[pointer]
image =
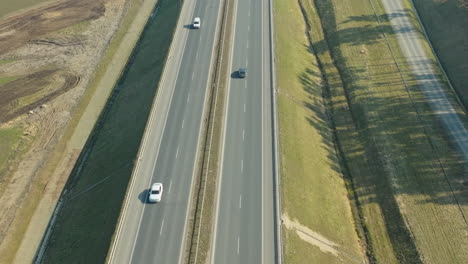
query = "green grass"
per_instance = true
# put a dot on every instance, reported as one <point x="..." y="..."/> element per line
<point x="9" y="6"/>
<point x="111" y="61"/>
<point x="445" y="23"/>
<point x="402" y="174"/>
<point x="9" y="140"/>
<point x="313" y="190"/>
<point x="74" y="29"/>
<point x="6" y="61"/>
<point x="86" y="223"/>
<point x="7" y="79"/>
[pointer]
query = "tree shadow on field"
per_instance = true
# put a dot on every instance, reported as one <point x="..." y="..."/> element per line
<point x="380" y="132"/>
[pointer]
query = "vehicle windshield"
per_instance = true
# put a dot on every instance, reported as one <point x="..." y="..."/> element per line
<point x="155" y="192"/>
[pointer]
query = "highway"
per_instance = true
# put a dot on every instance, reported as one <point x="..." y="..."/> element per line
<point x="154" y="233"/>
<point x="244" y="225"/>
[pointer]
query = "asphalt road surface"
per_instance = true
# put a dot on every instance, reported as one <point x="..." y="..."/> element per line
<point x="244" y="225"/>
<point x="154" y="233"/>
<point x="411" y="43"/>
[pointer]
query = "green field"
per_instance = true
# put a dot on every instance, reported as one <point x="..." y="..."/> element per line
<point x="403" y="177"/>
<point x="7" y="79"/>
<point x="9" y="141"/>
<point x="9" y="6"/>
<point x="445" y="23"/>
<point x="97" y="185"/>
<point x="315" y="199"/>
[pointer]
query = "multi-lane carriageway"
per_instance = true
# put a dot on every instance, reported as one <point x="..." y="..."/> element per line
<point x="244" y="226"/>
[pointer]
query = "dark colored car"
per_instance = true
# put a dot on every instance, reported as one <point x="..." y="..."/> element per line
<point x="242" y="73"/>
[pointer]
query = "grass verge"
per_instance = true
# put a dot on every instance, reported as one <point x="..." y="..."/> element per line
<point x="9" y="141"/>
<point x="111" y="65"/>
<point x="316" y="210"/>
<point x="105" y="77"/>
<point x="96" y="187"/>
<point x="402" y="173"/>
<point x="205" y="200"/>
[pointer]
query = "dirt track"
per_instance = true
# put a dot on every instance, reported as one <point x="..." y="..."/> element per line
<point x="53" y="51"/>
<point x="17" y="30"/>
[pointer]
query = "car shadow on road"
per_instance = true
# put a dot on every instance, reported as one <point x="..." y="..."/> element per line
<point x="143" y="196"/>
<point x="188" y="26"/>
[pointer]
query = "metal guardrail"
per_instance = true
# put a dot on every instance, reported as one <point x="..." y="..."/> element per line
<point x="276" y="145"/>
<point x="211" y="119"/>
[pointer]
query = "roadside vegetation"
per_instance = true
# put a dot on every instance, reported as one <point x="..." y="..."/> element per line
<point x="9" y="6"/>
<point x="10" y="139"/>
<point x="445" y="23"/>
<point x="52" y="134"/>
<point x="368" y="121"/>
<point x="96" y="188"/>
<point x="319" y="226"/>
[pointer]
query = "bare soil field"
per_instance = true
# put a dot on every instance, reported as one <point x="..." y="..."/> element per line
<point x="49" y="54"/>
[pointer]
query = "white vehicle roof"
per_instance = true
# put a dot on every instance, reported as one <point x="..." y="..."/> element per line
<point x="156" y="186"/>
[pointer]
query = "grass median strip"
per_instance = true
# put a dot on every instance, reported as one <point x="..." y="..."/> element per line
<point x="205" y="198"/>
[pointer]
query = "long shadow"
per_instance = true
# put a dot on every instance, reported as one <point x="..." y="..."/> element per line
<point x="370" y="137"/>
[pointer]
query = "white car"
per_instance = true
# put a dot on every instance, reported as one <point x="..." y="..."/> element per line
<point x="155" y="193"/>
<point x="196" y="22"/>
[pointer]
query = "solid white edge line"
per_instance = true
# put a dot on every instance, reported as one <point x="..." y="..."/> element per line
<point x="216" y="36"/>
<point x="122" y="218"/>
<point x="159" y="144"/>
<point x="263" y="124"/>
<point x="220" y="170"/>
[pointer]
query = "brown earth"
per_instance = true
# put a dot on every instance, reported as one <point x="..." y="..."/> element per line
<point x="17" y="30"/>
<point x="51" y="83"/>
<point x="55" y="50"/>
